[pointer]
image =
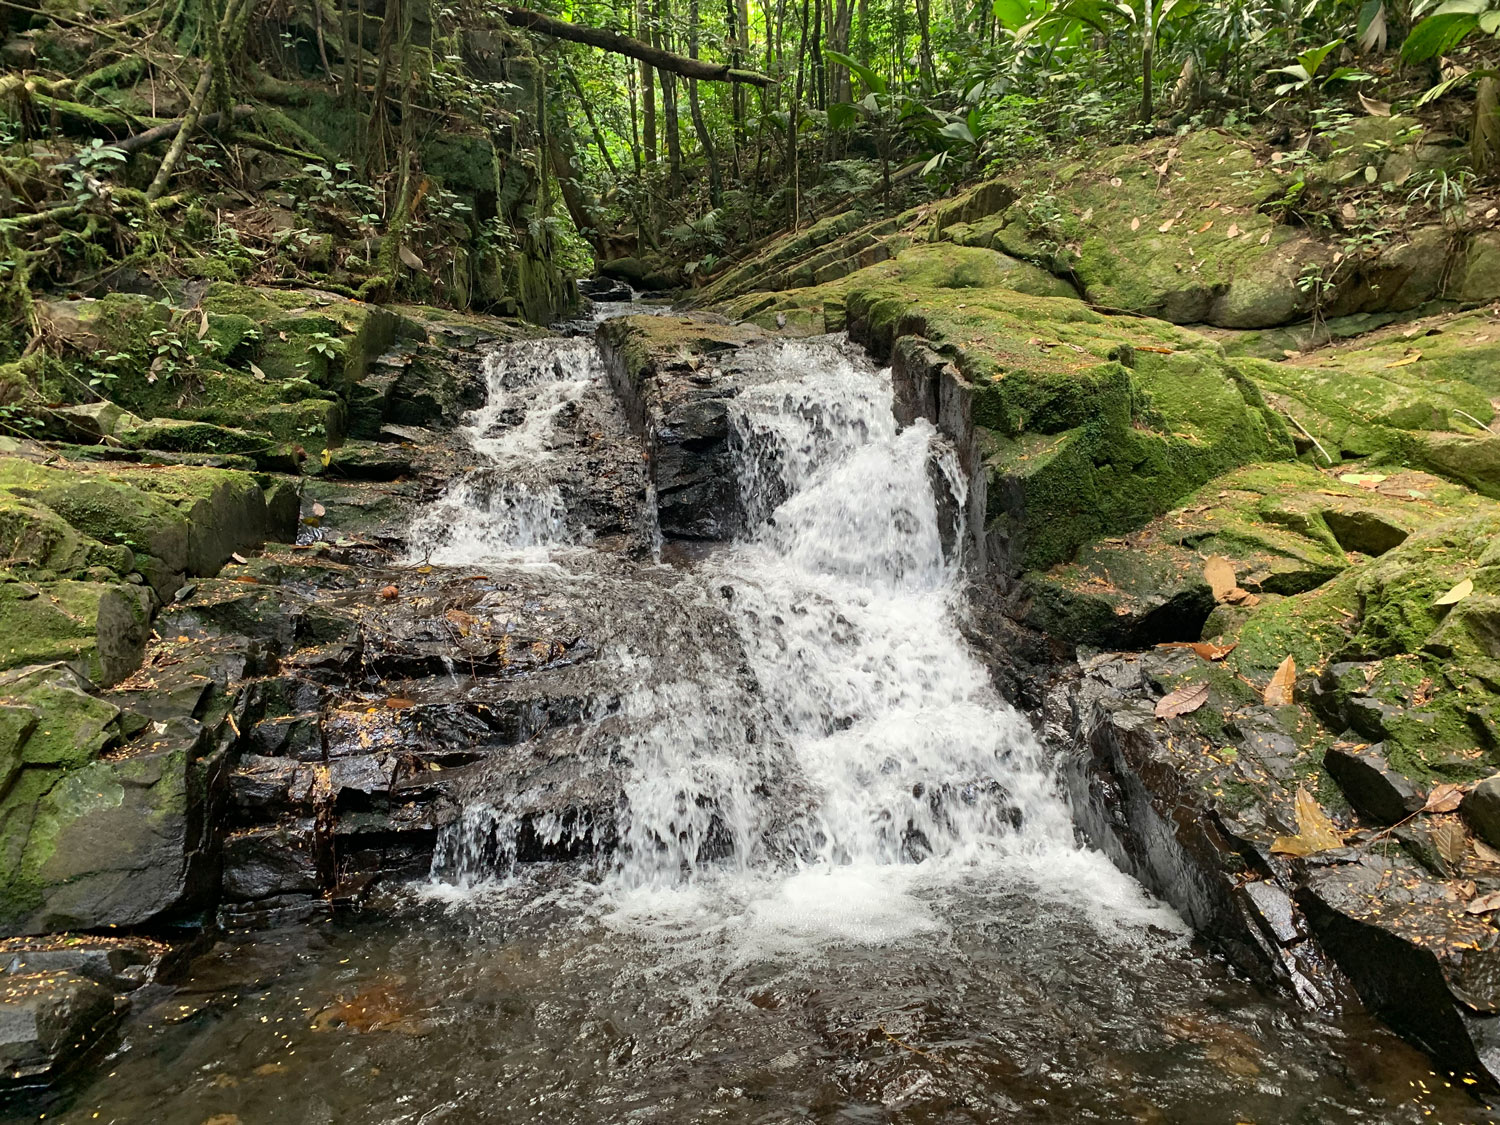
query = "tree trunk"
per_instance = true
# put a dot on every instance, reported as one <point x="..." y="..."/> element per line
<point x="926" y="71"/>
<point x="226" y="36"/>
<point x="1147" y="109"/>
<point x="648" y="85"/>
<point x="794" y="120"/>
<point x="578" y="208"/>
<point x="588" y="113"/>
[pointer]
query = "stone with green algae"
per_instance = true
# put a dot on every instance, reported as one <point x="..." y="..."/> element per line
<point x="1429" y="667"/>
<point x="1284" y="529"/>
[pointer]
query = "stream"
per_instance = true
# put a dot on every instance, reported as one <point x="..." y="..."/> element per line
<point x="842" y="884"/>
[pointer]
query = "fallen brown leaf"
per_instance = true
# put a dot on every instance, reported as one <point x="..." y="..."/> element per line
<point x="1203" y="648"/>
<point x="1444" y="798"/>
<point x="1183" y="701"/>
<point x="1218" y="572"/>
<point x="1279" y="691"/>
<point x="1484" y="904"/>
<point x="1315" y="832"/>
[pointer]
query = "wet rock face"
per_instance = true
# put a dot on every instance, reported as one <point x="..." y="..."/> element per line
<point x="674" y="378"/>
<point x="1207" y="810"/>
<point x="43" y="1018"/>
<point x="59" y="999"/>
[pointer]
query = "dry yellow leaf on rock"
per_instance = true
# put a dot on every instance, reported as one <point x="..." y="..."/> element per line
<point x="1457" y="594"/>
<point x="1315" y="832"/>
<point x="1218" y="572"/>
<point x="1278" y="692"/>
<point x="1166" y="226"/>
<point x="1406" y="361"/>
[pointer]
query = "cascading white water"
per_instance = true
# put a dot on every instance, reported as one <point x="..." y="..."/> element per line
<point x="508" y="507"/>
<point x="803" y="702"/>
<point x="875" y="717"/>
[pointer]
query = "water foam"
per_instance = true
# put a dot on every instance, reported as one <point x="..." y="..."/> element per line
<point x="508" y="508"/>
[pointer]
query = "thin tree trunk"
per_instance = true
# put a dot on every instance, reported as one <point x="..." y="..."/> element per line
<point x="715" y="183"/>
<point x="196" y="103"/>
<point x="671" y="124"/>
<point x="926" y="71"/>
<point x="794" y="120"/>
<point x="618" y="44"/>
<point x="588" y="113"/>
<point x="648" y="85"/>
<point x="1147" y="109"/>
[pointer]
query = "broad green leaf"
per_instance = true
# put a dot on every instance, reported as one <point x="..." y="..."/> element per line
<point x="1312" y="60"/>
<point x="873" y="81"/>
<point x="1010" y="13"/>
<point x="842" y="115"/>
<point x="1442" y="88"/>
<point x="1438" y="34"/>
<point x="957" y="131"/>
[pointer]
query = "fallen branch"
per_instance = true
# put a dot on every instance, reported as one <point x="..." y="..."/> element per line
<point x="166" y="131"/>
<point x="619" y="44"/>
<point x="1308" y="436"/>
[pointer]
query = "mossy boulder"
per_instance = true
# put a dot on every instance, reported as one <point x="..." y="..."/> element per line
<point x="88" y="553"/>
<point x="830" y="249"/>
<point x="99" y="627"/>
<point x="192" y="519"/>
<point x="1385" y="655"/>
<point x="276" y="364"/>
<point x="1284" y="529"/>
<point x="1076" y="425"/>
<point x="1419" y="396"/>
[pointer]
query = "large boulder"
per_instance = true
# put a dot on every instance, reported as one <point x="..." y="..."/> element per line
<point x="1272" y="530"/>
<point x="98" y="828"/>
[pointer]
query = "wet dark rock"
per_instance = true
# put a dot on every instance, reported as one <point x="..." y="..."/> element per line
<point x="273" y="860"/>
<point x="1197" y="822"/>
<point x="432" y="390"/>
<point x="1371" y="785"/>
<point x="1274" y="908"/>
<point x="1481" y="808"/>
<point x="670" y="376"/>
<point x="122" y="964"/>
<point x="261" y="785"/>
<point x="275" y="912"/>
<point x="289" y="736"/>
<point x="605" y="289"/>
<point x="48" y="1022"/>
<point x="369" y="461"/>
<point x="1390" y="931"/>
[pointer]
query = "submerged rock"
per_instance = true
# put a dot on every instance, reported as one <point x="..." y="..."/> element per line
<point x="48" y="1022"/>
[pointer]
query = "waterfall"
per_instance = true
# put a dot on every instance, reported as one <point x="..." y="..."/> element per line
<point x="806" y="701"/>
